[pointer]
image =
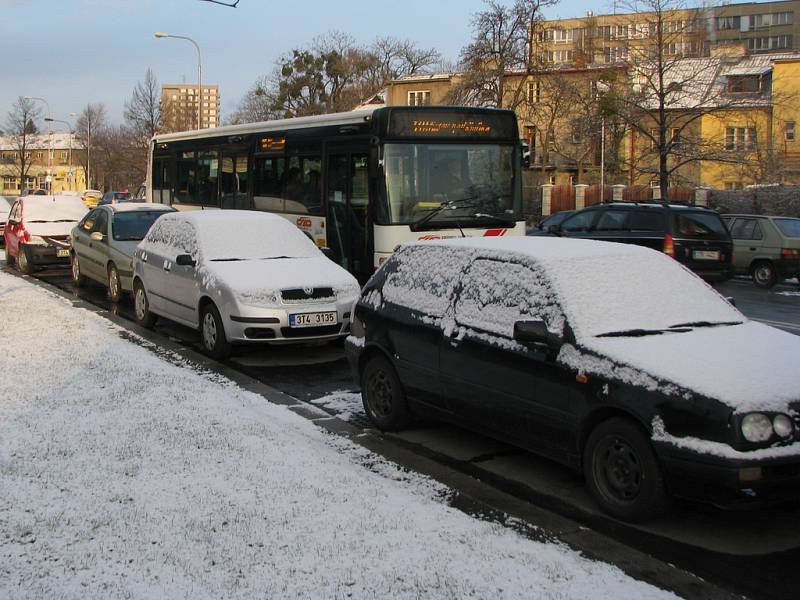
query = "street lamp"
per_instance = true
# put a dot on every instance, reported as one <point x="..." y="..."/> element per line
<point x="161" y="34"/>
<point x="71" y="133"/>
<point x="49" y="138"/>
<point x="602" y="88"/>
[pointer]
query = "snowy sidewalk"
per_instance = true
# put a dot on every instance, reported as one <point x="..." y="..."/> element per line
<point x="125" y="476"/>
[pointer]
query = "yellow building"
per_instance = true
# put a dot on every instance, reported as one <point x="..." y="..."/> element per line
<point x="56" y="163"/>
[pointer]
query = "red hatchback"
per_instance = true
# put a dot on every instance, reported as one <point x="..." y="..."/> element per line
<point x="37" y="230"/>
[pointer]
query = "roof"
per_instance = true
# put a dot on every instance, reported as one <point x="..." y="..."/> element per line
<point x="57" y="140"/>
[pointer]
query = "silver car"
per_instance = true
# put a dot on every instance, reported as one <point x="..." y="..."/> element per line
<point x="240" y="277"/>
<point x="103" y="242"/>
<point x="765" y="247"/>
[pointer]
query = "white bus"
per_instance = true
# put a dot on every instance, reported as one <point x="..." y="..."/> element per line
<point x="359" y="182"/>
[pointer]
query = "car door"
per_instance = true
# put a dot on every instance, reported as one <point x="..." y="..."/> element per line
<point x="495" y="384"/>
<point x="578" y="225"/>
<point x="747" y="241"/>
<point x="96" y="251"/>
<point x="178" y="284"/>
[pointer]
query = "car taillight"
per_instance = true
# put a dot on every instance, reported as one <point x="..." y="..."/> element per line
<point x="790" y="252"/>
<point x="669" y="246"/>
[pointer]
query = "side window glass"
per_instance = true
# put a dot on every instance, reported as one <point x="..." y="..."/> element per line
<point x="612" y="220"/>
<point x="647" y="220"/>
<point x="17" y="212"/>
<point x="88" y="221"/>
<point x="495" y="295"/>
<point x="302" y="187"/>
<point x="100" y="222"/>
<point x="757" y="235"/>
<point x="578" y="222"/>
<point x="745" y="229"/>
<point x="424" y="278"/>
<point x="268" y="176"/>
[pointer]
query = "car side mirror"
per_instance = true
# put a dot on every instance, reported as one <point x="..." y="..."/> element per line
<point x="328" y="252"/>
<point x="536" y="332"/>
<point x="96" y="236"/>
<point x="185" y="260"/>
<point x="554" y="229"/>
<point x="731" y="299"/>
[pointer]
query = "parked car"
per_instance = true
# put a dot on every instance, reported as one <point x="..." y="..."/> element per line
<point x="91" y="197"/>
<point x="692" y="235"/>
<point x="102" y="244"/>
<point x="612" y="359"/>
<point x="544" y="226"/>
<point x="240" y="276"/>
<point x="37" y="230"/>
<point x="5" y="208"/>
<point x="765" y="248"/>
<point x="33" y="192"/>
<point x="115" y="197"/>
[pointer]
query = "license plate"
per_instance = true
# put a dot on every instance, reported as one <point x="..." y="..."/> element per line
<point x="313" y="319"/>
<point x="706" y="254"/>
<point x="62" y="252"/>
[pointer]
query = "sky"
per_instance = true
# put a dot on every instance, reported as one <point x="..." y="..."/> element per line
<point x="73" y="52"/>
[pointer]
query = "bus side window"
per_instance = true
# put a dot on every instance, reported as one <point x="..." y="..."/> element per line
<point x="185" y="184"/>
<point x="268" y="176"/>
<point x="302" y="186"/>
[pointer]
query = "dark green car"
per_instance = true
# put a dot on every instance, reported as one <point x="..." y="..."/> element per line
<point x="765" y="248"/>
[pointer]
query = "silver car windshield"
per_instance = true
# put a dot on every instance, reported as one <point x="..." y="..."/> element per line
<point x="133" y="226"/>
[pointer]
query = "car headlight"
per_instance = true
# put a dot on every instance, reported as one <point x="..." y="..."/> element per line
<point x="783" y="426"/>
<point x="259" y="299"/>
<point x="756" y="427"/>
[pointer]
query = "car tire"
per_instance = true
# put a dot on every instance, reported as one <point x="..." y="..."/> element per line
<point x="78" y="279"/>
<point x="212" y="333"/>
<point x="622" y="472"/>
<point x="9" y="257"/>
<point x="114" y="284"/>
<point x="141" y="306"/>
<point x="764" y="274"/>
<point x="22" y="261"/>
<point x="383" y="395"/>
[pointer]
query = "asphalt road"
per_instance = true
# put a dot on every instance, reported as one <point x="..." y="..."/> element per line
<point x="753" y="553"/>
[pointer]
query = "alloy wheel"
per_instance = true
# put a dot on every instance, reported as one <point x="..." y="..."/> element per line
<point x="209" y="331"/>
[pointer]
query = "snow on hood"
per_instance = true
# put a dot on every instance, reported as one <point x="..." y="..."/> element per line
<point x="260" y="281"/>
<point x="748" y="367"/>
<point x="52" y="215"/>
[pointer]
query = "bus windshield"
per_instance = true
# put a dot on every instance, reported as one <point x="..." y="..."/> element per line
<point x="476" y="183"/>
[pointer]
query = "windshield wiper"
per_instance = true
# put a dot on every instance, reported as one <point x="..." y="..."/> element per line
<point x="706" y="324"/>
<point x="453" y="204"/>
<point x="226" y="259"/>
<point x="641" y="332"/>
<point x="500" y="219"/>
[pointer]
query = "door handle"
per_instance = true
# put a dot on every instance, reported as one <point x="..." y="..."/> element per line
<point x="455" y="342"/>
<point x="752" y="249"/>
<point x="167" y="267"/>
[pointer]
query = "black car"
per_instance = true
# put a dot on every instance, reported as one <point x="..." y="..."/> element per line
<point x="609" y="358"/>
<point x="549" y="223"/>
<point x="694" y="236"/>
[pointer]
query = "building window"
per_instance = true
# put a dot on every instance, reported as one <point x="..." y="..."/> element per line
<point x="744" y="83"/>
<point x="9" y="182"/>
<point x="534" y="91"/>
<point x="775" y="42"/>
<point x="731" y="186"/>
<point x="615" y="54"/>
<point x="419" y="98"/>
<point x="561" y="36"/>
<point x="788" y="131"/>
<point x="724" y="23"/>
<point x="740" y="138"/>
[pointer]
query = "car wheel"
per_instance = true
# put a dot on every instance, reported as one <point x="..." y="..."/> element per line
<point x="622" y="472"/>
<point x="212" y="333"/>
<point x="22" y="262"/>
<point x="114" y="284"/>
<point x="764" y="274"/>
<point x="383" y="395"/>
<point x="9" y="257"/>
<point x="77" y="277"/>
<point x="141" y="306"/>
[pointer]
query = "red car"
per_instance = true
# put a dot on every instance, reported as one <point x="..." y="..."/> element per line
<point x="37" y="230"/>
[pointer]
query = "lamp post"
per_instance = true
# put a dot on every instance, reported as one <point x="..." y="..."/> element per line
<point x="602" y="88"/>
<point x="49" y="137"/>
<point x="71" y="133"/>
<point x="161" y="34"/>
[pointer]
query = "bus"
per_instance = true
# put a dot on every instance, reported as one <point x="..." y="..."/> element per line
<point x="359" y="183"/>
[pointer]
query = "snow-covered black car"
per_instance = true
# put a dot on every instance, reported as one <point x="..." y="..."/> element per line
<point x="611" y="358"/>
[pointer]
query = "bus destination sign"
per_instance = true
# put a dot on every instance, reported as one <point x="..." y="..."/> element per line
<point x="271" y="144"/>
<point x="445" y="124"/>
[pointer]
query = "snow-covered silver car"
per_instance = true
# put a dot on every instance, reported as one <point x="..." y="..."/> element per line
<point x="240" y="276"/>
<point x="103" y="242"/>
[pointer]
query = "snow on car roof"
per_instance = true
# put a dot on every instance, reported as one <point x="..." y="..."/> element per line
<point x="53" y="208"/>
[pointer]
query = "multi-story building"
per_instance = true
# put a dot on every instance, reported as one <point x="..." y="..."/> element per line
<point x="56" y="163"/>
<point x="180" y="103"/>
<point x="610" y="38"/>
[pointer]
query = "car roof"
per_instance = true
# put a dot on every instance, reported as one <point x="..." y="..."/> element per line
<point x="757" y="216"/>
<point x="650" y="205"/>
<point x="203" y="217"/>
<point x="137" y="207"/>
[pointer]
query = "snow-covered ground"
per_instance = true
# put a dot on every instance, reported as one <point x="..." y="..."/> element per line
<point x="125" y="475"/>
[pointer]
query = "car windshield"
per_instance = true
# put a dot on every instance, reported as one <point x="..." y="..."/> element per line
<point x="789" y="227"/>
<point x="467" y="184"/>
<point x="133" y="226"/>
<point x="700" y="225"/>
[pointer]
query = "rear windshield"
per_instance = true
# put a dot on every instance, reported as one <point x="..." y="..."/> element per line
<point x="789" y="227"/>
<point x="133" y="226"/>
<point x="699" y="225"/>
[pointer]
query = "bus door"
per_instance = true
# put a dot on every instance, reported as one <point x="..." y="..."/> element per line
<point x="347" y="194"/>
<point x="233" y="178"/>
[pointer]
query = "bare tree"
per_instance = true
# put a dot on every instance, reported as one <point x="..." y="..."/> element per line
<point x="91" y="124"/>
<point x="143" y="109"/>
<point x="21" y="129"/>
<point x="500" y="45"/>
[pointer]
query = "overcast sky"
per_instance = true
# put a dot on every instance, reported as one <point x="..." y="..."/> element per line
<point x="72" y="52"/>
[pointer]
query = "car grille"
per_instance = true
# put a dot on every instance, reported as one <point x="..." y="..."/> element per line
<point x="300" y="295"/>
<point x="290" y="332"/>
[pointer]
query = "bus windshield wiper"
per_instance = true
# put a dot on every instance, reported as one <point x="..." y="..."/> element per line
<point x="507" y="220"/>
<point x="453" y="204"/>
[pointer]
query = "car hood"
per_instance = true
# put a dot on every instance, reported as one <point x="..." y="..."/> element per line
<point x="275" y="274"/>
<point x="747" y="367"/>
<point x="50" y="229"/>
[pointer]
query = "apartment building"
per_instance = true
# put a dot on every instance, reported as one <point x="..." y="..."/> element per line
<point x="180" y="104"/>
<point x="55" y="162"/>
<point x="609" y="38"/>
